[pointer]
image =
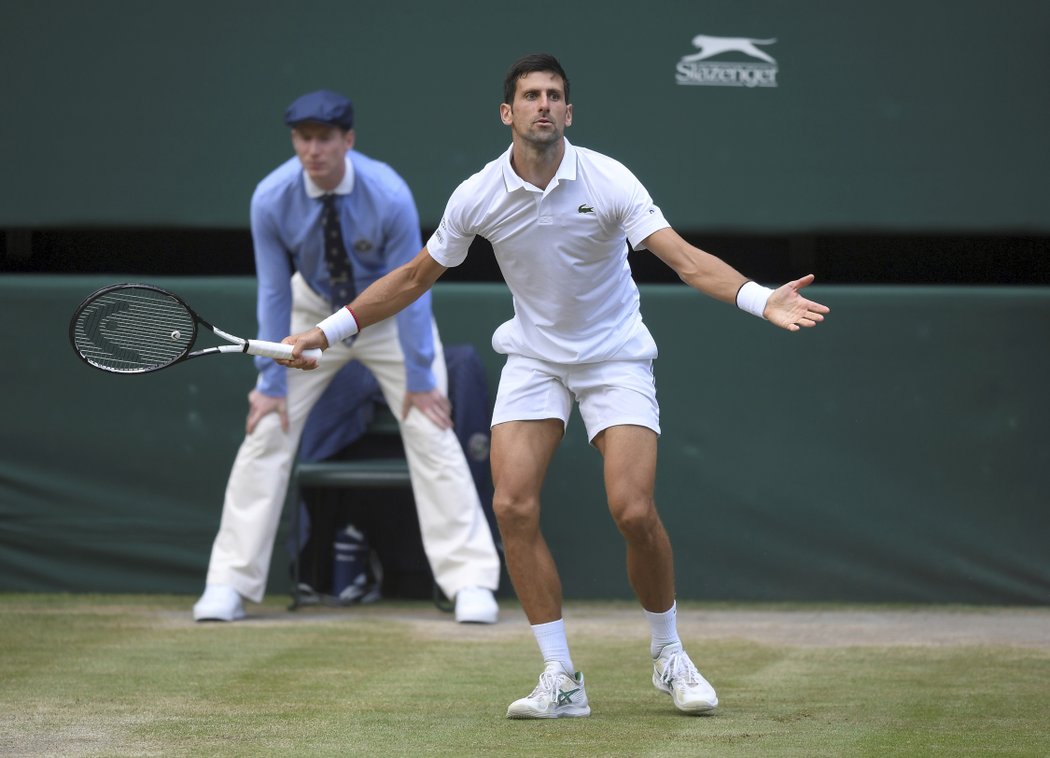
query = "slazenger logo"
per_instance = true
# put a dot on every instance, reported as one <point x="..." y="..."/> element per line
<point x="697" y="69"/>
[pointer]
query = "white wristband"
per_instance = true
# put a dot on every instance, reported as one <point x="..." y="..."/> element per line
<point x="339" y="325"/>
<point x="752" y="297"/>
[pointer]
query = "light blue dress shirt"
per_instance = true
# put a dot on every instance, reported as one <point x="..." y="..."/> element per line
<point x="381" y="230"/>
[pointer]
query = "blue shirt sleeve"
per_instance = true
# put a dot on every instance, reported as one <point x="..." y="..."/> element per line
<point x="414" y="323"/>
<point x="274" y="300"/>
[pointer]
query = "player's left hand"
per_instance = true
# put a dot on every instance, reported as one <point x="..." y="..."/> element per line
<point x="789" y="310"/>
<point x="433" y="404"/>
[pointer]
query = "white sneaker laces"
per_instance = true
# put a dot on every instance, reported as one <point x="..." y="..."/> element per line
<point x="680" y="669"/>
<point x="547" y="688"/>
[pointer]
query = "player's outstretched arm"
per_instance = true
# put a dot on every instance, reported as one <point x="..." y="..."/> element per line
<point x="700" y="270"/>
<point x="385" y="297"/>
<point x="784" y="307"/>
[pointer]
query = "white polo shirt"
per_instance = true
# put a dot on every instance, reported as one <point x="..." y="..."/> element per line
<point x="563" y="253"/>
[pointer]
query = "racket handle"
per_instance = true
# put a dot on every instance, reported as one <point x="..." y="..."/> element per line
<point x="278" y="350"/>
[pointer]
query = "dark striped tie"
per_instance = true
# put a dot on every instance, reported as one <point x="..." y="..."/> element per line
<point x="340" y="270"/>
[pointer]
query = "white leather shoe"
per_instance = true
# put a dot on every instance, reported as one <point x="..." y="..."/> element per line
<point x="220" y="602"/>
<point x="476" y="605"/>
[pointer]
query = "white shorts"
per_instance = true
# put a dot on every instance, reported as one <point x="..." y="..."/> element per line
<point x="611" y="393"/>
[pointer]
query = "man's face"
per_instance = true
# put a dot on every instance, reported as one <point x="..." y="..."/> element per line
<point x="539" y="113"/>
<point x="322" y="151"/>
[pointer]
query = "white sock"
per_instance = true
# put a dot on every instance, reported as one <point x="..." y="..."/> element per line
<point x="664" y="628"/>
<point x="553" y="644"/>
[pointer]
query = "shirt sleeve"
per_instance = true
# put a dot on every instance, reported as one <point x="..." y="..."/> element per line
<point x="274" y="299"/>
<point x="449" y="243"/>
<point x="414" y="323"/>
<point x="640" y="216"/>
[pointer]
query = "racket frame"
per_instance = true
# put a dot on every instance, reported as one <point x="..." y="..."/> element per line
<point x="275" y="350"/>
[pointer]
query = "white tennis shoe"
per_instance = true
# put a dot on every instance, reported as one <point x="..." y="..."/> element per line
<point x="558" y="694"/>
<point x="476" y="605"/>
<point x="676" y="675"/>
<point x="220" y="602"/>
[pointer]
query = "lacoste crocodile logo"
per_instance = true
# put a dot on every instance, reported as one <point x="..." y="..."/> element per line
<point x="584" y="208"/>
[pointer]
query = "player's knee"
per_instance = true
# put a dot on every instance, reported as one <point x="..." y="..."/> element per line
<point x="635" y="518"/>
<point x="515" y="513"/>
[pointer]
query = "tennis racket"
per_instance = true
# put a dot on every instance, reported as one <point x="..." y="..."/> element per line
<point x="138" y="328"/>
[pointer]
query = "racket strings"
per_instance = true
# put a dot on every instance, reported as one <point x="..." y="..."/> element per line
<point x="133" y="329"/>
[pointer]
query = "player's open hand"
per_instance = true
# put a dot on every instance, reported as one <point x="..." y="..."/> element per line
<point x="314" y="338"/>
<point x="788" y="309"/>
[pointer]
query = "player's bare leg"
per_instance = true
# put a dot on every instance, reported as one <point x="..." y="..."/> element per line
<point x="521" y="452"/>
<point x="629" y="453"/>
<point x="630" y="477"/>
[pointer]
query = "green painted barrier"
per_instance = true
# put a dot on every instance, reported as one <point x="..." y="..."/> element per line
<point x="897" y="453"/>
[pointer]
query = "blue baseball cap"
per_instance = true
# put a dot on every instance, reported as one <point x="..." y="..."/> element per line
<point x="324" y="106"/>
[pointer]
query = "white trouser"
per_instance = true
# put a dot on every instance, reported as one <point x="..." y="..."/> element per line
<point x="456" y="536"/>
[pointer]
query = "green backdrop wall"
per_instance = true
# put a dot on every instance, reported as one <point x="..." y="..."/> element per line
<point x="897" y="453"/>
<point x="895" y="114"/>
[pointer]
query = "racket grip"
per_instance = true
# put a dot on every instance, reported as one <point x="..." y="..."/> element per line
<point x="278" y="350"/>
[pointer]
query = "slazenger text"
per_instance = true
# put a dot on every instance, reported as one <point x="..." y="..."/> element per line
<point x="726" y="74"/>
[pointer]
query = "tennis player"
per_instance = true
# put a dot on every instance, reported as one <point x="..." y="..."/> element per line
<point x="559" y="219"/>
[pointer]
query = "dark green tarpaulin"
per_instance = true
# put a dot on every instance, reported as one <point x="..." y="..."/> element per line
<point x="898" y="453"/>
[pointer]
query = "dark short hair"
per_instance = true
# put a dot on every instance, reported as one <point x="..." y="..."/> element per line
<point x="527" y="65"/>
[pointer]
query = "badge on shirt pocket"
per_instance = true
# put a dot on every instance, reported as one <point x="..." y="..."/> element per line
<point x="368" y="254"/>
